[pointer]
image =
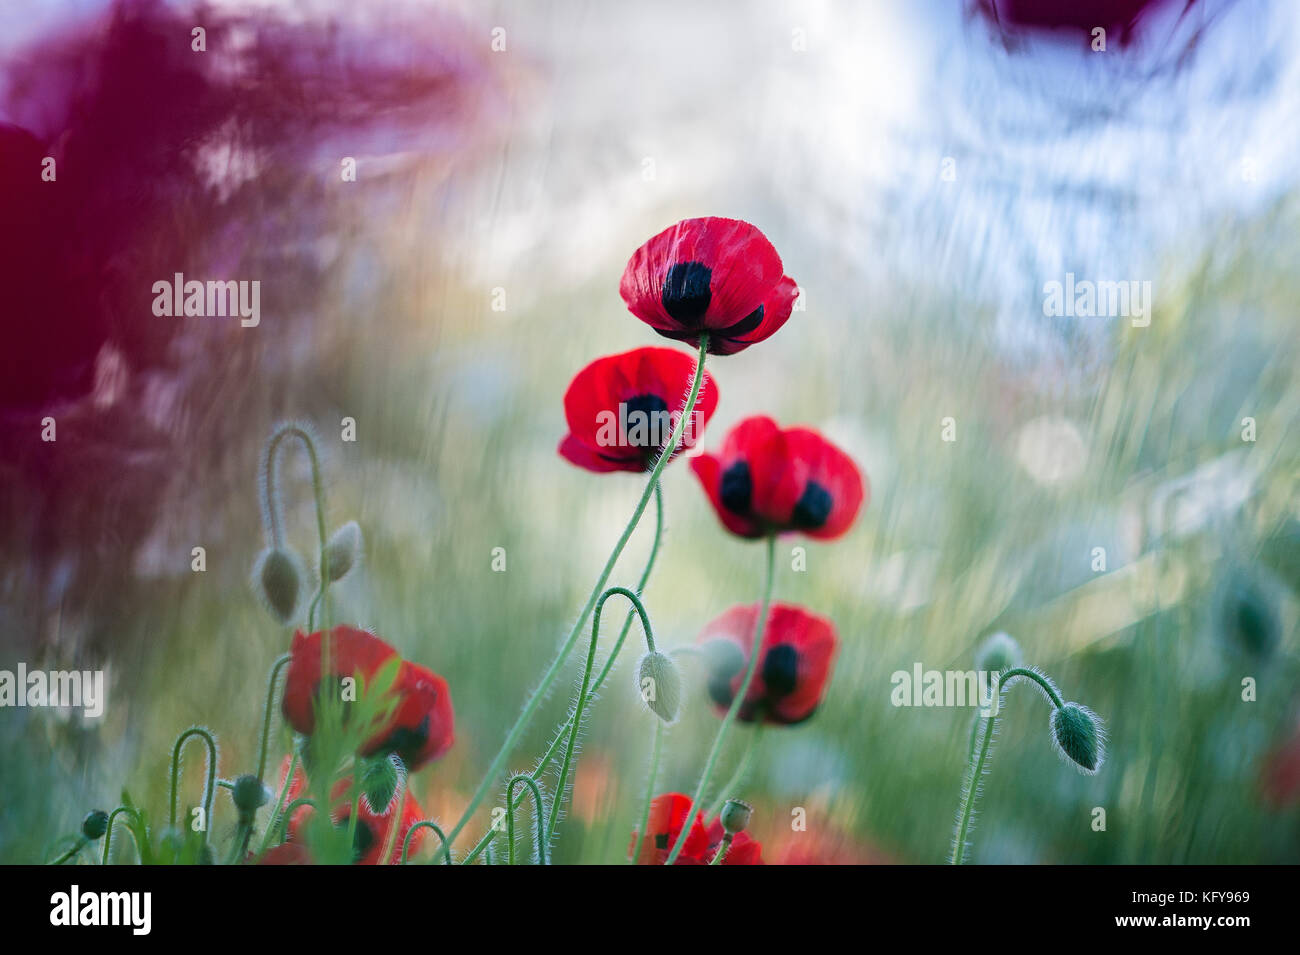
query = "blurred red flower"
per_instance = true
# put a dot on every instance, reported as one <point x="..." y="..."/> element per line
<point x="667" y="813"/>
<point x="372" y="827"/>
<point x="766" y="480"/>
<point x="716" y="276"/>
<point x="798" y="650"/>
<point x="420" y="727"/>
<point x="1279" y="781"/>
<point x="621" y="409"/>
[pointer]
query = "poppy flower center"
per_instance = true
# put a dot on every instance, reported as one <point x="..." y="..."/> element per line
<point x="647" y="422"/>
<point x="813" y="507"/>
<point x="737" y="489"/>
<point x="780" y="670"/>
<point x="407" y="742"/>
<point x="686" y="294"/>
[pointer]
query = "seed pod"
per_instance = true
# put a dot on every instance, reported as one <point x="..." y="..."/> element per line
<point x="1079" y="736"/>
<point x="659" y="684"/>
<point x="249" y="795"/>
<point x="735" y="816"/>
<point x="278" y="578"/>
<point x="343" y="550"/>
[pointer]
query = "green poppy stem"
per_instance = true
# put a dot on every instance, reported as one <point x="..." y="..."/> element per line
<point x="534" y="701"/>
<point x="760" y="628"/>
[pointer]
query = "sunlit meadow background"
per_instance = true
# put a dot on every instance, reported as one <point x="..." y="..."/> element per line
<point x="1169" y="158"/>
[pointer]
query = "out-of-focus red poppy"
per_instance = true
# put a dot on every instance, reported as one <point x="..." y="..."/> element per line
<point x="621" y="409"/>
<point x="420" y="727"/>
<point x="719" y="277"/>
<point x="1279" y="782"/>
<point x="798" y="650"/>
<point x="1119" y="18"/>
<point x="822" y="844"/>
<point x="768" y="480"/>
<point x="372" y="827"/>
<point x="667" y="814"/>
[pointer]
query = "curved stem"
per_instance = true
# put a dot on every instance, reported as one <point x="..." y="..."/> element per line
<point x="622" y="636"/>
<point x="274" y="820"/>
<point x="649" y="790"/>
<point x="977" y="770"/>
<point x="538" y="811"/>
<point x="273" y="518"/>
<point x="512" y="737"/>
<point x="108" y="832"/>
<point x="584" y="696"/>
<point x="742" y="767"/>
<point x="1042" y="681"/>
<point x="423" y="824"/>
<point x="755" y="651"/>
<point x="294" y="806"/>
<point x="276" y="667"/>
<point x="972" y="785"/>
<point x="210" y="781"/>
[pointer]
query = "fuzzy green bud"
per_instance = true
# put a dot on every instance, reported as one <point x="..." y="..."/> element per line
<point x="735" y="816"/>
<point x="1079" y="737"/>
<point x="277" y="576"/>
<point x="999" y="653"/>
<point x="95" y="825"/>
<point x="660" y="684"/>
<point x="343" y="550"/>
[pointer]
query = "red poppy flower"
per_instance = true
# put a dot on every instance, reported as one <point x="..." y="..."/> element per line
<point x="766" y="480"/>
<point x="798" y="650"/>
<point x="667" y="813"/>
<point x="373" y="828"/>
<point x="420" y="727"/>
<point x="716" y="276"/>
<point x="1280" y="779"/>
<point x="621" y="409"/>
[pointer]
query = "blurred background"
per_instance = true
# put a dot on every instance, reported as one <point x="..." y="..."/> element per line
<point x="924" y="169"/>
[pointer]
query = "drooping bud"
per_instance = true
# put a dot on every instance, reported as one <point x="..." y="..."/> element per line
<point x="249" y="795"/>
<point x="278" y="578"/>
<point x="380" y="776"/>
<point x="1079" y="736"/>
<point x="95" y="825"/>
<point x="660" y="684"/>
<point x="735" y="816"/>
<point x="343" y="550"/>
<point x="998" y="653"/>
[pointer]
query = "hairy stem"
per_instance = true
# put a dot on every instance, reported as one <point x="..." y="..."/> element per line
<point x="210" y="780"/>
<point x="755" y="651"/>
<point x="534" y="701"/>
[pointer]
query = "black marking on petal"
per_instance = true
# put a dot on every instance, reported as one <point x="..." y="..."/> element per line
<point x="661" y="840"/>
<point x="407" y="742"/>
<point x="736" y="488"/>
<point x="780" y="670"/>
<point x="742" y="327"/>
<point x="648" y="422"/>
<point x="362" y="839"/>
<point x="813" y="508"/>
<point x="686" y="294"/>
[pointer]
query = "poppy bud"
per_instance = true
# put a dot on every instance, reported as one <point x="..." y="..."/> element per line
<point x="249" y="795"/>
<point x="1079" y="736"/>
<point x="998" y="653"/>
<point x="277" y="577"/>
<point x="343" y="550"/>
<point x="735" y="816"/>
<point x="94" y="825"/>
<point x="660" y="685"/>
<point x="379" y="779"/>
